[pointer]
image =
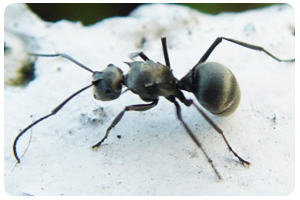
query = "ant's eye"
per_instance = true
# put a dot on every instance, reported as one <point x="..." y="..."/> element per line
<point x="96" y="83"/>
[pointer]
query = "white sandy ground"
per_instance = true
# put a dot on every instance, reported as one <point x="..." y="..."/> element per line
<point x="154" y="155"/>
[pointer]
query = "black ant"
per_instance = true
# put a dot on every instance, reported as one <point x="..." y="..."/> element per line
<point x="213" y="84"/>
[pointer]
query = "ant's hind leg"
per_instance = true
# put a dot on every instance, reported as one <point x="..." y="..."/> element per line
<point x="138" y="107"/>
<point x="244" y="162"/>
<point x="243" y="44"/>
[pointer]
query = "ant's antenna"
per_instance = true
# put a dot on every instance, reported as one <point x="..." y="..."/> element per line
<point x="53" y="112"/>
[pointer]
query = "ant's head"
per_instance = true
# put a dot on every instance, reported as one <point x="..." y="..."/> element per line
<point x="107" y="85"/>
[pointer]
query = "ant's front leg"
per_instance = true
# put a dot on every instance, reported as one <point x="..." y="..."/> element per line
<point x="138" y="107"/>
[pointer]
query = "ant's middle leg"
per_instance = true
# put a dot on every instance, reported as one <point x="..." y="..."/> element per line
<point x="138" y="107"/>
<point x="165" y="52"/>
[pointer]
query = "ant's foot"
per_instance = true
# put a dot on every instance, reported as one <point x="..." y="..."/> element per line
<point x="96" y="146"/>
<point x="244" y="162"/>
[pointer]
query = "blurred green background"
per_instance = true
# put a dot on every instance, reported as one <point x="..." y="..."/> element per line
<point x="89" y="13"/>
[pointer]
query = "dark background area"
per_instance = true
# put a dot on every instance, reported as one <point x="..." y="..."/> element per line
<point x="89" y="13"/>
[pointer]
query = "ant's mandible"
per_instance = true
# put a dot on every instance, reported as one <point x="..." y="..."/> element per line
<point x="213" y="84"/>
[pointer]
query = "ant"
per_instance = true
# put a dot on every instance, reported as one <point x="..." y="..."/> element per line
<point x="213" y="85"/>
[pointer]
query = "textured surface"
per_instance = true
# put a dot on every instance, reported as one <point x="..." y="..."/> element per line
<point x="154" y="155"/>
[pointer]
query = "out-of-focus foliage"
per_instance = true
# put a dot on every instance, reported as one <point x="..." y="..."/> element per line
<point x="215" y="8"/>
<point x="90" y="13"/>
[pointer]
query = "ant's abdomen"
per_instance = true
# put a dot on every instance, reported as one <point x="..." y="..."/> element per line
<point x="216" y="88"/>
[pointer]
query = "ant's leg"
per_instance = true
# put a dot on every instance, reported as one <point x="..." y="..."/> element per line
<point x="249" y="46"/>
<point x="189" y="102"/>
<point x="143" y="56"/>
<point x="178" y="112"/>
<point x="53" y="112"/>
<point x="139" y="107"/>
<point x="140" y="54"/>
<point x="64" y="56"/>
<point x="165" y="51"/>
<point x="220" y="132"/>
